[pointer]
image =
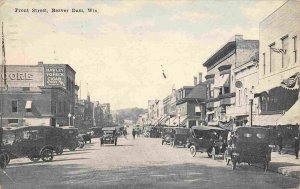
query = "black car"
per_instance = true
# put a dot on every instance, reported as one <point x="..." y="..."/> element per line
<point x="207" y="139"/>
<point x="180" y="137"/>
<point x="34" y="142"/>
<point x="110" y="136"/>
<point x="70" y="138"/>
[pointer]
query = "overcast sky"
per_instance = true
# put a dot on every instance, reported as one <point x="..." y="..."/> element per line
<point x="119" y="50"/>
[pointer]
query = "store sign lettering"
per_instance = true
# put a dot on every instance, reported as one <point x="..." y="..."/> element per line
<point x="55" y="76"/>
<point x="13" y="76"/>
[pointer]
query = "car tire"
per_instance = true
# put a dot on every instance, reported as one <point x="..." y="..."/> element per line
<point x="47" y="155"/>
<point x="2" y="161"/>
<point x="162" y="142"/>
<point x="193" y="150"/>
<point x="7" y="158"/>
<point x="59" y="150"/>
<point x="73" y="146"/>
<point x="209" y="152"/>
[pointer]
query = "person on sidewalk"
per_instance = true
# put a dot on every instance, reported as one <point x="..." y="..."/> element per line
<point x="279" y="142"/>
<point x="297" y="146"/>
<point x="133" y="134"/>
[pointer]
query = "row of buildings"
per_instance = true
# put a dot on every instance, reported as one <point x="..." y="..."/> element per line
<point x="47" y="94"/>
<point x="248" y="82"/>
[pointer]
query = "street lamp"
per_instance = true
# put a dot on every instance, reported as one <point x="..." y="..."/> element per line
<point x="69" y="116"/>
<point x="73" y="120"/>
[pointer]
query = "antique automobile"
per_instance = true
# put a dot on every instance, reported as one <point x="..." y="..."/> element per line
<point x="152" y="132"/>
<point x="70" y="138"/>
<point x="207" y="139"/>
<point x="180" y="137"/>
<point x="34" y="142"/>
<point x="249" y="145"/>
<point x="96" y="132"/>
<point x="109" y="136"/>
<point x="167" y="134"/>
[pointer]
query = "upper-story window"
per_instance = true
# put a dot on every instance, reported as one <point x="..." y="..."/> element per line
<point x="14" y="106"/>
<point x="285" y="44"/>
<point x="272" y="57"/>
<point x="295" y="48"/>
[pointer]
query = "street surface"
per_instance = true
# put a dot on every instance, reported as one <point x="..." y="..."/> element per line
<point x="140" y="163"/>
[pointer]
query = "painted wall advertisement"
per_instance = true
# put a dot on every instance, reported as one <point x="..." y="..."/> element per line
<point x="55" y="75"/>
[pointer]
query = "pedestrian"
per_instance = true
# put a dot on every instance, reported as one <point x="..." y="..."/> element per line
<point x="279" y="142"/>
<point x="297" y="146"/>
<point x="133" y="134"/>
<point x="125" y="133"/>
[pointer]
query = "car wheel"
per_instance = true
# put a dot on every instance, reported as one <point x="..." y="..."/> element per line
<point x="209" y="152"/>
<point x="193" y="150"/>
<point x="73" y="146"/>
<point x="2" y="161"/>
<point x="7" y="158"/>
<point x="162" y="142"/>
<point x="81" y="144"/>
<point x="47" y="155"/>
<point x="59" y="150"/>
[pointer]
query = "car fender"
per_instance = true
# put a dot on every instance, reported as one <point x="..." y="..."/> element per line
<point x="47" y="147"/>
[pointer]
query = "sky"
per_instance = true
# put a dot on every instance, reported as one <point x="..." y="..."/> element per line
<point x="119" y="51"/>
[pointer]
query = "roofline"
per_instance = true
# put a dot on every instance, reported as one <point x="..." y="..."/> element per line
<point x="275" y="11"/>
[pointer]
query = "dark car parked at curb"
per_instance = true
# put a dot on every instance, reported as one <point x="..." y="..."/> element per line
<point x="110" y="136"/>
<point x="34" y="142"/>
<point x="249" y="145"/>
<point x="86" y="137"/>
<point x="167" y="134"/>
<point x="207" y="139"/>
<point x="70" y="138"/>
<point x="180" y="137"/>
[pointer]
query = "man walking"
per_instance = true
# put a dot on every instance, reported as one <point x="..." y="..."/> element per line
<point x="133" y="134"/>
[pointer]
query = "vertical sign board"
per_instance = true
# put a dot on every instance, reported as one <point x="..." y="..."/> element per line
<point x="55" y="75"/>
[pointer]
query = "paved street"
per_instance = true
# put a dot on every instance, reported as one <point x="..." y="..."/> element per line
<point x="140" y="163"/>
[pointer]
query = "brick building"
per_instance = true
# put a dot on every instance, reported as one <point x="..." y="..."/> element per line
<point x="42" y="94"/>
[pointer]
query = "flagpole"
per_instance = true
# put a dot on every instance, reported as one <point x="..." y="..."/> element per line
<point x="2" y="79"/>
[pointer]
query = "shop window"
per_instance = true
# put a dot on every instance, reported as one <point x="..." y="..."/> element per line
<point x="12" y="121"/>
<point x="14" y="106"/>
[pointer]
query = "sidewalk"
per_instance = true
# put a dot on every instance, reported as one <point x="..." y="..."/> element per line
<point x="285" y="164"/>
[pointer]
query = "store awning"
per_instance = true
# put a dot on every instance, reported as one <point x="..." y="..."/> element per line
<point x="28" y="104"/>
<point x="292" y="116"/>
<point x="266" y="120"/>
<point x="222" y="81"/>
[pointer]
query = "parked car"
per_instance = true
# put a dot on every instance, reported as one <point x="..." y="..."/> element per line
<point x="34" y="142"/>
<point x="250" y="145"/>
<point x="207" y="139"/>
<point x="70" y="138"/>
<point x="110" y="136"/>
<point x="167" y="134"/>
<point x="152" y="132"/>
<point x="180" y="137"/>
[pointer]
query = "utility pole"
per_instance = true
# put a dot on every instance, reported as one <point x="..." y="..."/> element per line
<point x="2" y="77"/>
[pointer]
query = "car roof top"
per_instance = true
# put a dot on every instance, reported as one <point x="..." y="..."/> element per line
<point x="206" y="128"/>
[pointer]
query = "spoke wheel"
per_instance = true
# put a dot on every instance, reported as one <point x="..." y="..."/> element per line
<point x="209" y="153"/>
<point x="193" y="151"/>
<point x="59" y="150"/>
<point x="47" y="155"/>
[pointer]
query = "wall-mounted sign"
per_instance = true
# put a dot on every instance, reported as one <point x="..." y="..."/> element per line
<point x="238" y="84"/>
<point x="55" y="75"/>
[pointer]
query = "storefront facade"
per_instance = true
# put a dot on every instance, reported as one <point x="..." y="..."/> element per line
<point x="42" y="94"/>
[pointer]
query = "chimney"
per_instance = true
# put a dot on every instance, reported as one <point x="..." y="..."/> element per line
<point x="200" y="77"/>
<point x="195" y="80"/>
